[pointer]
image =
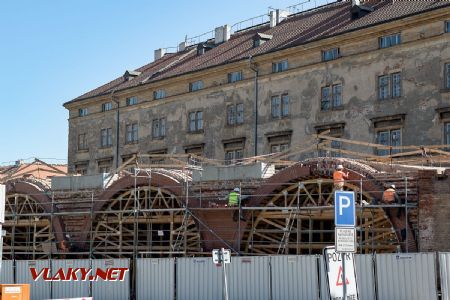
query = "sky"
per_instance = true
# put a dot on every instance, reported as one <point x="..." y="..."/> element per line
<point x="52" y="51"/>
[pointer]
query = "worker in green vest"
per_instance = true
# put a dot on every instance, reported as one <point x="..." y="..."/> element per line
<point x="233" y="197"/>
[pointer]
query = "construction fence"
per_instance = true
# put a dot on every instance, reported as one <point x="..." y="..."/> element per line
<point x="380" y="276"/>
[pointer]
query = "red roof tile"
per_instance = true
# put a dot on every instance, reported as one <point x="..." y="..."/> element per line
<point x="298" y="29"/>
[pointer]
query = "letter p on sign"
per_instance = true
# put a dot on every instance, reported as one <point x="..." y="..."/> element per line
<point x="344" y="209"/>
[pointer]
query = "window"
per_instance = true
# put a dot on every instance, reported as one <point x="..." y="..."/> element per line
<point x="196" y="149"/>
<point x="82" y="142"/>
<point x="106" y="137"/>
<point x="159" y="94"/>
<point x="234" y="150"/>
<point x="447" y="134"/>
<point x="131" y="133"/>
<point x="331" y="97"/>
<point x="280" y="106"/>
<point x="390" y="138"/>
<point x="279" y="66"/>
<point x="155" y="157"/>
<point x="389" y="40"/>
<point x="447" y="26"/>
<point x="333" y="130"/>
<point x="389" y="86"/>
<point x="195" y="86"/>
<point x="106" y="106"/>
<point x="235" y="114"/>
<point x="447" y="76"/>
<point x="330" y="54"/>
<point x="104" y="165"/>
<point x="132" y="101"/>
<point x="81" y="168"/>
<point x="195" y="121"/>
<point x="234" y="76"/>
<point x="159" y="128"/>
<point x="82" y="112"/>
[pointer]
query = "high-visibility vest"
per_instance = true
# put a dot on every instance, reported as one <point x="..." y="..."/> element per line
<point x="338" y="176"/>
<point x="389" y="195"/>
<point x="233" y="198"/>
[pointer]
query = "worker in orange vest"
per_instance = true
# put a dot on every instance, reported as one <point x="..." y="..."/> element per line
<point x="390" y="195"/>
<point x="338" y="178"/>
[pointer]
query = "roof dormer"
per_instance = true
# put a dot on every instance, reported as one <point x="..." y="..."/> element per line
<point x="261" y="38"/>
<point x="128" y="75"/>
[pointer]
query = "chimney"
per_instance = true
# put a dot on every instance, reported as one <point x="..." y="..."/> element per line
<point x="276" y="16"/>
<point x="222" y="34"/>
<point x="159" y="53"/>
<point x="182" y="46"/>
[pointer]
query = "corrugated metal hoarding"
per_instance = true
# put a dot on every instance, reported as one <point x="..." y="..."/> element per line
<point x="444" y="265"/>
<point x="324" y="291"/>
<point x="7" y="274"/>
<point x="294" y="277"/>
<point x="155" y="278"/>
<point x="111" y="290"/>
<point x="406" y="276"/>
<point x="73" y="288"/>
<point x="39" y="289"/>
<point x="248" y="278"/>
<point x="365" y="276"/>
<point x="199" y="278"/>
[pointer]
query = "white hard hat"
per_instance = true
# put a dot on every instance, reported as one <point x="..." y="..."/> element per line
<point x="339" y="167"/>
<point x="237" y="189"/>
<point x="392" y="186"/>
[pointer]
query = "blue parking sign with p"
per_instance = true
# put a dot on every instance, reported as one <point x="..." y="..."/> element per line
<point x="344" y="209"/>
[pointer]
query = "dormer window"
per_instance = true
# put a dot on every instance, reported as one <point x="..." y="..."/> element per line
<point x="128" y="75"/>
<point x="203" y="48"/>
<point x="261" y="38"/>
<point x="159" y="94"/>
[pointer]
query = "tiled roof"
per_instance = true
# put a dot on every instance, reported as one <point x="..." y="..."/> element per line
<point x="302" y="28"/>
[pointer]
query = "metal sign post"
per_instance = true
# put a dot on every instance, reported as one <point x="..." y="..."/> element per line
<point x="345" y="233"/>
<point x="222" y="256"/>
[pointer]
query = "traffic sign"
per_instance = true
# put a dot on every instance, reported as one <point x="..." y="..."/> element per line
<point x="221" y="256"/>
<point x="335" y="274"/>
<point x="345" y="239"/>
<point x="344" y="209"/>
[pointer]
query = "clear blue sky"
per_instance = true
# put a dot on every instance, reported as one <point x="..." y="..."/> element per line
<point x="53" y="51"/>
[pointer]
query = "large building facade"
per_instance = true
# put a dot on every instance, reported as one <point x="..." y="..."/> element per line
<point x="377" y="72"/>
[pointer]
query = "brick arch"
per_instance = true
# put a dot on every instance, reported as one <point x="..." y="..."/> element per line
<point x="323" y="168"/>
<point x="38" y="194"/>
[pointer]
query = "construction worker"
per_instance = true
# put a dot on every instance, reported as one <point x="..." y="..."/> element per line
<point x="338" y="178"/>
<point x="390" y="195"/>
<point x="234" y="199"/>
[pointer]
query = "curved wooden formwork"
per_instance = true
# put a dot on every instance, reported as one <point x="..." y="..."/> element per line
<point x="304" y="224"/>
<point x="145" y="220"/>
<point x="28" y="234"/>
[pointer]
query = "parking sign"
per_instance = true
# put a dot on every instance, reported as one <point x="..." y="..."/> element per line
<point x="344" y="209"/>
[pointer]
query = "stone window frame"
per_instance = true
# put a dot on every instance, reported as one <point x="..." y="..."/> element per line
<point x="196" y="86"/>
<point x="284" y="109"/>
<point x="280" y="66"/>
<point x="104" y="164"/>
<point x="198" y="122"/>
<point x="235" y="114"/>
<point x="388" y="124"/>
<point x="188" y="149"/>
<point x="233" y="147"/>
<point x="281" y="139"/>
<point x="159" y="94"/>
<point x="106" y="137"/>
<point x="336" y="130"/>
<point x="132" y="133"/>
<point x="444" y="118"/>
<point x="83" y="112"/>
<point x="81" y="165"/>
<point x="82" y="143"/>
<point x="131" y="101"/>
<point x="157" y="151"/>
<point x="392" y="92"/>
<point x="160" y="133"/>
<point x="332" y="96"/>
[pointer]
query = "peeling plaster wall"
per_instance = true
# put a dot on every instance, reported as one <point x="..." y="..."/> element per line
<point x="420" y="58"/>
